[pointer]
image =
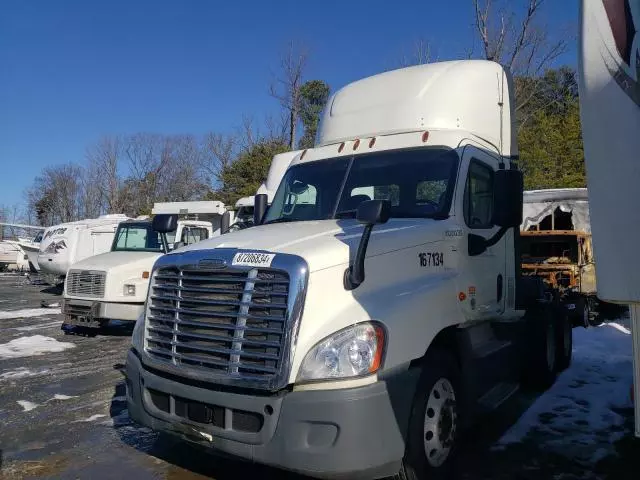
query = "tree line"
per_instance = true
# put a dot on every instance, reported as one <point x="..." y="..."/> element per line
<point x="127" y="174"/>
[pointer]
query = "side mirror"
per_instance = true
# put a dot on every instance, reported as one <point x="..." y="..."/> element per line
<point x="178" y="245"/>
<point x="164" y="223"/>
<point x="225" y="222"/>
<point x="260" y="208"/>
<point x="372" y="212"/>
<point x="508" y="198"/>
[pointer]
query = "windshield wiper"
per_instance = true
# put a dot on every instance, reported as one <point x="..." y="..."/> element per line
<point x="279" y="220"/>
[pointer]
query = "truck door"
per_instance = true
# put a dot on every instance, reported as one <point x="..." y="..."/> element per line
<point x="485" y="272"/>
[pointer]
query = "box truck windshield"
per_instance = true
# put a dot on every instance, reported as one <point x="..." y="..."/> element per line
<point x="418" y="183"/>
<point x="137" y="238"/>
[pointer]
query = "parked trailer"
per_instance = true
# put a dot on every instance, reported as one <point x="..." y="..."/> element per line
<point x="354" y="336"/>
<point x="609" y="86"/>
<point x="67" y="243"/>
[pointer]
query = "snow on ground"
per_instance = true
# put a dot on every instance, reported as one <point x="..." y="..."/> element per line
<point x="91" y="418"/>
<point x="38" y="326"/>
<point x="30" y="346"/>
<point x="59" y="396"/>
<point x="577" y="416"/>
<point x="20" y="372"/>
<point x="28" y="312"/>
<point x="27" y="405"/>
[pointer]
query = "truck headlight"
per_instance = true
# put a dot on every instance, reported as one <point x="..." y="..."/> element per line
<point x="129" y="290"/>
<point x="354" y="351"/>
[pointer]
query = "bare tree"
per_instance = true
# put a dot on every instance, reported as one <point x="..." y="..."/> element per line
<point x="103" y="173"/>
<point x="518" y="41"/>
<point x="286" y="87"/>
<point x="219" y="151"/>
<point x="421" y="52"/>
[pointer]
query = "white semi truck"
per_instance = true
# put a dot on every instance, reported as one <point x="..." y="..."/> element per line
<point x="113" y="285"/>
<point x="376" y="308"/>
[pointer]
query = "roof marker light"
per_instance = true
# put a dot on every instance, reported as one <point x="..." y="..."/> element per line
<point x="356" y="144"/>
<point x="425" y="136"/>
<point x="303" y="154"/>
<point x="341" y="147"/>
<point x="372" y="142"/>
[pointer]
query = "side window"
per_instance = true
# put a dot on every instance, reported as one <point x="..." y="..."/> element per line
<point x="478" y="196"/>
<point x="194" y="234"/>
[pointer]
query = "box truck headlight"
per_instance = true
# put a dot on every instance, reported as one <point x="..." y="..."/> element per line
<point x="354" y="351"/>
<point x="129" y="290"/>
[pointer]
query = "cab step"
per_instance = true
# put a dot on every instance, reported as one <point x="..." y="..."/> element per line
<point x="497" y="395"/>
<point x="490" y="347"/>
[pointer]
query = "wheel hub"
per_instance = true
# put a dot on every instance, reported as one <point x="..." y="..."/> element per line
<point x="440" y="422"/>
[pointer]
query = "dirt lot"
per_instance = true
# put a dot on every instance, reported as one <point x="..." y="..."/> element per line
<point x="63" y="413"/>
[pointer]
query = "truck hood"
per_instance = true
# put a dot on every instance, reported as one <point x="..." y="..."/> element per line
<point x="111" y="261"/>
<point x="326" y="243"/>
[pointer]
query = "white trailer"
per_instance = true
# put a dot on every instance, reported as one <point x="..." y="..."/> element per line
<point x="609" y="84"/>
<point x="113" y="285"/>
<point x="67" y="243"/>
<point x="347" y="335"/>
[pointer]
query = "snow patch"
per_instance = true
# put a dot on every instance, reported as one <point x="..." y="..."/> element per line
<point x="59" y="396"/>
<point x="576" y="416"/>
<point x="39" y="326"/>
<point x="27" y="405"/>
<point x="20" y="372"/>
<point x="31" y="346"/>
<point x="618" y="327"/>
<point x="28" y="312"/>
<point x="91" y="418"/>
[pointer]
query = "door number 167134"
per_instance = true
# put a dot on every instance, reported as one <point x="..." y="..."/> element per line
<point x="431" y="259"/>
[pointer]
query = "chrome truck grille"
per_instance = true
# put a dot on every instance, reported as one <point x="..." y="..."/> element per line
<point x="209" y="320"/>
<point x="86" y="283"/>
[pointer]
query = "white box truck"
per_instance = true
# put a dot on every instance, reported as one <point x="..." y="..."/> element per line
<point x="378" y="306"/>
<point x="113" y="285"/>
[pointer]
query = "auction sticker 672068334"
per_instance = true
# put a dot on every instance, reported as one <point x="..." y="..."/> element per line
<point x="253" y="259"/>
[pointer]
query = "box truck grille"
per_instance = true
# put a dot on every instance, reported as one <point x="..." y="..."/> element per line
<point x="86" y="283"/>
<point x="225" y="322"/>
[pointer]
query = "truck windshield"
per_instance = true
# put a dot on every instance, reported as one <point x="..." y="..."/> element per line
<point x="418" y="183"/>
<point x="137" y="238"/>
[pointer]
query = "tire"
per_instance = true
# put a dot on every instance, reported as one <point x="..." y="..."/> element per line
<point x="564" y="341"/>
<point x="541" y="371"/>
<point x="595" y="318"/>
<point x="434" y="425"/>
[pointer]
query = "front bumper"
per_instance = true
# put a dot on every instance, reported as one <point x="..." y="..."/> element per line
<point x="89" y="313"/>
<point x="352" y="432"/>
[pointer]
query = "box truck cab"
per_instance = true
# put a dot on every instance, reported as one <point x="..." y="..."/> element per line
<point x="375" y="308"/>
<point x="114" y="285"/>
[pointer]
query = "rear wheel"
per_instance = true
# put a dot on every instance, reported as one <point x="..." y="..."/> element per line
<point x="564" y="341"/>
<point x="434" y="424"/>
<point x="541" y="364"/>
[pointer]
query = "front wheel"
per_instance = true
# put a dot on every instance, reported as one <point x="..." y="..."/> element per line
<point x="434" y="424"/>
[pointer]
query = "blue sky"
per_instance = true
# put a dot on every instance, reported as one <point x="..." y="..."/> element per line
<point x="71" y="71"/>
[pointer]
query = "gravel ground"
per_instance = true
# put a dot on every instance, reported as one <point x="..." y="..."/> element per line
<point x="63" y="412"/>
